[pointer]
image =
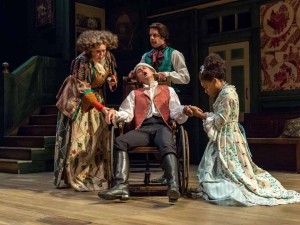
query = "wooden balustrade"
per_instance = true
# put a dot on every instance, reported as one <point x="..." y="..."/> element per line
<point x="5" y="70"/>
<point x="5" y="66"/>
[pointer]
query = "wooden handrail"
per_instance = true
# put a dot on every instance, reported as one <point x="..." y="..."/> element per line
<point x="5" y="66"/>
<point x="4" y="71"/>
<point x="31" y="85"/>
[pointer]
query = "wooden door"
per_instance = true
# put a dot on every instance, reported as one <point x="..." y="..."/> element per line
<point x="236" y="56"/>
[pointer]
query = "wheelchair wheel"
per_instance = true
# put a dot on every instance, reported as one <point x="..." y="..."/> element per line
<point x="183" y="160"/>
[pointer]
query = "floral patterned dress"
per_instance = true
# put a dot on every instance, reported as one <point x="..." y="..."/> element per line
<point x="82" y="141"/>
<point x="226" y="174"/>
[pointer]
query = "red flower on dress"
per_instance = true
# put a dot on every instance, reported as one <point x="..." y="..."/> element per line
<point x="73" y="152"/>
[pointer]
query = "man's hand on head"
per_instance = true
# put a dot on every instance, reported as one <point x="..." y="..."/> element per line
<point x="161" y="76"/>
<point x="131" y="74"/>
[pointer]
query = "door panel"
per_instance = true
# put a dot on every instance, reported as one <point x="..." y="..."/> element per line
<point x="236" y="56"/>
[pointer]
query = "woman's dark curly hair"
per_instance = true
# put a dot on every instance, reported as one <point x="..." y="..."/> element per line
<point x="213" y="67"/>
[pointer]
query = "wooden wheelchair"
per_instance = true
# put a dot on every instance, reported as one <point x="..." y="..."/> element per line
<point x="146" y="159"/>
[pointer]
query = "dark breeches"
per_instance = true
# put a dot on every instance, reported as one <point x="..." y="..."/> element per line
<point x="153" y="132"/>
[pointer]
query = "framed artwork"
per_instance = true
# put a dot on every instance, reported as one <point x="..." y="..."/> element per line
<point x="89" y="18"/>
<point x="44" y="11"/>
<point x="124" y="21"/>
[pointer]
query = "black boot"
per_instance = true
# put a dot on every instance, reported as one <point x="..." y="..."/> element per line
<point x="120" y="189"/>
<point x="171" y="172"/>
<point x="160" y="180"/>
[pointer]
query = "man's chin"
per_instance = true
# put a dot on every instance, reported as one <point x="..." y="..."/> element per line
<point x="146" y="80"/>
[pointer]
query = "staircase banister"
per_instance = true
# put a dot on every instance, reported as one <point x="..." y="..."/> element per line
<point x="32" y="61"/>
<point x="5" y="71"/>
<point x="32" y="84"/>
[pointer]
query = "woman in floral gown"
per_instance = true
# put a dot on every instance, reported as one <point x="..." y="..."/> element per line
<point x="226" y="174"/>
<point x="82" y="133"/>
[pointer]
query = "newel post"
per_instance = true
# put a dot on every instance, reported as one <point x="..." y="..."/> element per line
<point x="5" y="71"/>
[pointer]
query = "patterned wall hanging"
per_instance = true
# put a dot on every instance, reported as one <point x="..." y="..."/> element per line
<point x="280" y="45"/>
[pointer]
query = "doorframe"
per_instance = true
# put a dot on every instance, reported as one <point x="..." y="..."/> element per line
<point x="236" y="62"/>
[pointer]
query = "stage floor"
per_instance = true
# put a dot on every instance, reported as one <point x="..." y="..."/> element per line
<point x="32" y="199"/>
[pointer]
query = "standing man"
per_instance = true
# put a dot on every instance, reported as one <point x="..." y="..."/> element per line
<point x="167" y="61"/>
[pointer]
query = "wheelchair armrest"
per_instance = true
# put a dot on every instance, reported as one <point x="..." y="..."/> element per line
<point x="173" y="125"/>
<point x="117" y="125"/>
<point x="121" y="125"/>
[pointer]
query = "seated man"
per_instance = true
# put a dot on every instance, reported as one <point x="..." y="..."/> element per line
<point x="151" y="108"/>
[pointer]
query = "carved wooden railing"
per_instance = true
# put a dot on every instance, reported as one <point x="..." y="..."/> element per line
<point x="31" y="85"/>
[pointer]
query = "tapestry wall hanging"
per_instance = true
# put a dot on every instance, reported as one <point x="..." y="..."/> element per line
<point x="280" y="45"/>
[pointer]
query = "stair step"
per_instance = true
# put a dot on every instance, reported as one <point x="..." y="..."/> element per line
<point x="10" y="166"/>
<point x="24" y="141"/>
<point x="37" y="130"/>
<point x="32" y="149"/>
<point x="22" y="153"/>
<point x="25" y="166"/>
<point x="43" y="119"/>
<point x="48" y="109"/>
<point x="15" y="153"/>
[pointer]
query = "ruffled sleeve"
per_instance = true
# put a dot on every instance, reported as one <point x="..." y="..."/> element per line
<point x="126" y="110"/>
<point x="209" y="126"/>
<point x="224" y="108"/>
<point x="82" y="71"/>
<point x="176" y="109"/>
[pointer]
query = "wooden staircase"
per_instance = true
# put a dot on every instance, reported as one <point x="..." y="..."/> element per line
<point x="31" y="150"/>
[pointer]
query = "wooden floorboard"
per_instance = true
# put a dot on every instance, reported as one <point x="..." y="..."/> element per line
<point x="32" y="199"/>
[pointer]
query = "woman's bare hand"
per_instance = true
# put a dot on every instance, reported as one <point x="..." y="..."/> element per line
<point x="105" y="110"/>
<point x="110" y="116"/>
<point x="197" y="111"/>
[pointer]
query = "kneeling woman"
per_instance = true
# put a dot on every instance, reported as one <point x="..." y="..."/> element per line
<point x="227" y="175"/>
